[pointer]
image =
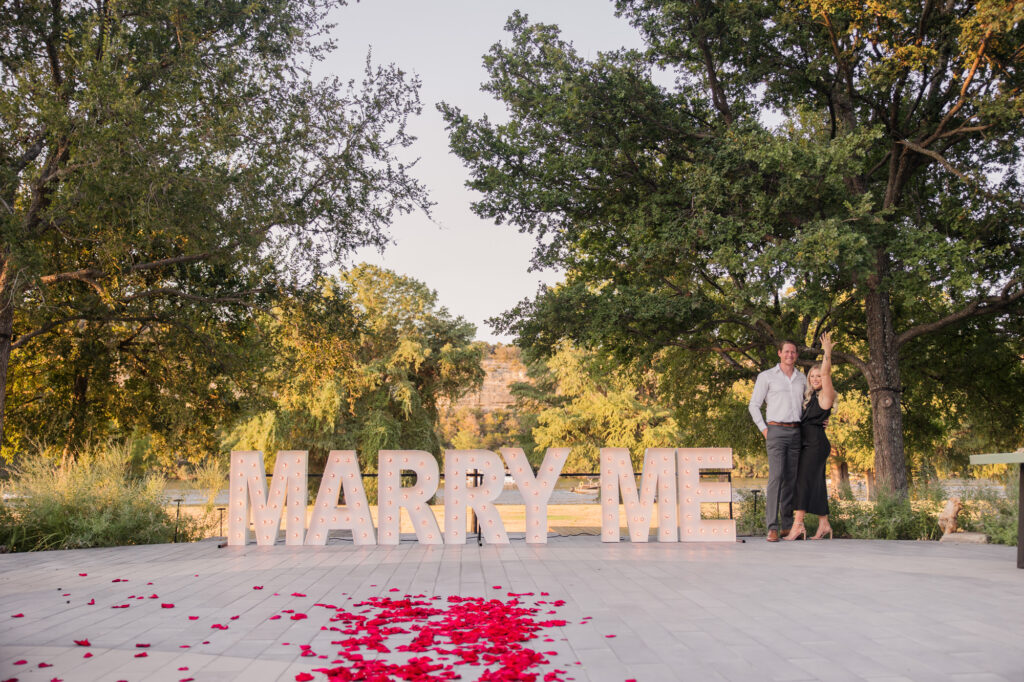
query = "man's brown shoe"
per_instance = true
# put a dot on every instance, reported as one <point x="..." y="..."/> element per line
<point x="773" y="535"/>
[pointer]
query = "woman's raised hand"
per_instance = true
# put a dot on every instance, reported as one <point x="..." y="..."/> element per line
<point x="826" y="344"/>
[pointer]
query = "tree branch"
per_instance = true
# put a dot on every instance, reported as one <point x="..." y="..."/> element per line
<point x="96" y="273"/>
<point x="981" y="306"/>
<point x="938" y="157"/>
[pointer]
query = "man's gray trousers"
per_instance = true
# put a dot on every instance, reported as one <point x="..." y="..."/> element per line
<point x="783" y="456"/>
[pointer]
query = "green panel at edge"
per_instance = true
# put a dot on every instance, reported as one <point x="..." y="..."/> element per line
<point x="999" y="458"/>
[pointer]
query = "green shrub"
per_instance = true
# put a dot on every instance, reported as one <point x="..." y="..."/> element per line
<point x="91" y="502"/>
<point x="985" y="511"/>
<point x="890" y="517"/>
<point x="749" y="513"/>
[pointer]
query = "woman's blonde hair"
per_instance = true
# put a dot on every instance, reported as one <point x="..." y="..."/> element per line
<point x="808" y="391"/>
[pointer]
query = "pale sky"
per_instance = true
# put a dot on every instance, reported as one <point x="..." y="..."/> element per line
<point x="478" y="269"/>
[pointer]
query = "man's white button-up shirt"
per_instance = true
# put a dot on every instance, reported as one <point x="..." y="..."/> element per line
<point x="784" y="395"/>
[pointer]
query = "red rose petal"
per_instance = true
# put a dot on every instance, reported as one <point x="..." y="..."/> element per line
<point x="257" y="587"/>
<point x="21" y="662"/>
<point x="83" y="574"/>
<point x="298" y="594"/>
<point x="18" y="615"/>
<point x="167" y="606"/>
<point x="234" y="618"/>
<point x="303" y="677"/>
<point x="141" y="646"/>
<point x="46" y="665"/>
<point x="82" y="642"/>
<point x="88" y="654"/>
<point x="609" y="636"/>
<point x="193" y="617"/>
<point x="141" y="654"/>
<point x="184" y="667"/>
<point x="218" y="626"/>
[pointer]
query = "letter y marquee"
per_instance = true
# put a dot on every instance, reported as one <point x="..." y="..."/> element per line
<point x="537" y="490"/>
<point x="289" y="485"/>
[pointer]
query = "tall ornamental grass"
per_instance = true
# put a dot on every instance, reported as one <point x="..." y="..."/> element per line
<point x="89" y="502"/>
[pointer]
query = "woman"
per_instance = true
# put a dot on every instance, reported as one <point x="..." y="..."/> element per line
<point x="811" y="493"/>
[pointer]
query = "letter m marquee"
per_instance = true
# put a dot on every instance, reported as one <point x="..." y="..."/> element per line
<point x="287" y="494"/>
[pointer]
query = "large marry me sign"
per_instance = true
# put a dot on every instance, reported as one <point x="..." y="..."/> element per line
<point x="670" y="475"/>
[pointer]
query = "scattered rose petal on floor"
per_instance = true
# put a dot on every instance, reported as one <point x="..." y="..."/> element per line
<point x="82" y="642"/>
<point x="184" y="646"/>
<point x="153" y="596"/>
<point x="141" y="646"/>
<point x="82" y="575"/>
<point x="184" y="667"/>
<point x="218" y="626"/>
<point x="88" y="654"/>
<point x="299" y="616"/>
<point x="193" y="617"/>
<point x="46" y="665"/>
<point x="141" y="654"/>
<point x="234" y="618"/>
<point x="18" y="615"/>
<point x="120" y="606"/>
<point x="298" y="594"/>
<point x="119" y="580"/>
<point x="21" y="662"/>
<point x="303" y="677"/>
<point x="276" y="616"/>
<point x="257" y="587"/>
<point x="609" y="636"/>
<point x="167" y="606"/>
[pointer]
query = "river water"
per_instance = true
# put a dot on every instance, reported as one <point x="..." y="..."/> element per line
<point x="563" y="493"/>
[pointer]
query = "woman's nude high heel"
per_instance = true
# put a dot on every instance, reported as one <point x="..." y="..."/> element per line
<point x="820" y="535"/>
<point x="797" y="532"/>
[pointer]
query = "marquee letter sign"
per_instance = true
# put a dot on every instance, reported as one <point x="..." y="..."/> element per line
<point x="248" y="471"/>
<point x="392" y="497"/>
<point x="670" y="477"/>
<point x="341" y="473"/>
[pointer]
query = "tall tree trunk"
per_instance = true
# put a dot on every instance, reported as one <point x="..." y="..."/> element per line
<point x="76" y="429"/>
<point x="840" y="476"/>
<point x="6" y="333"/>
<point x="885" y="387"/>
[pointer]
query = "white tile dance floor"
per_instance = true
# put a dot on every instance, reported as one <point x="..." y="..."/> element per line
<point x="831" y="610"/>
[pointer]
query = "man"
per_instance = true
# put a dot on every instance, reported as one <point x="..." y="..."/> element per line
<point x="782" y="387"/>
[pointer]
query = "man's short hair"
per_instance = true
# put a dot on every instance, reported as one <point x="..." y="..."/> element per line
<point x="784" y="342"/>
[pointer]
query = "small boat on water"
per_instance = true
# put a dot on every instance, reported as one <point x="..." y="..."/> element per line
<point x="587" y="487"/>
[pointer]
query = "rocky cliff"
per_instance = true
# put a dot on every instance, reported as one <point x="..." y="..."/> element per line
<point x="503" y="366"/>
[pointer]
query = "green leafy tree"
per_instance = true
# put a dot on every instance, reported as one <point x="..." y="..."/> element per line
<point x="579" y="399"/>
<point x="363" y="366"/>
<point x="887" y="205"/>
<point x="167" y="168"/>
